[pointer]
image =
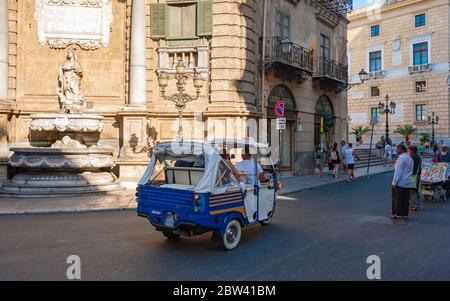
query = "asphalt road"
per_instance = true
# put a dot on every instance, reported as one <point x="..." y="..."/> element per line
<point x="325" y="233"/>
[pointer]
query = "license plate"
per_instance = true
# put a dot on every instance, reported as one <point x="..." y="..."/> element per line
<point x="170" y="221"/>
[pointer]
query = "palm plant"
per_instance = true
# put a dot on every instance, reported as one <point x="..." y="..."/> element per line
<point x="361" y="129"/>
<point x="406" y="130"/>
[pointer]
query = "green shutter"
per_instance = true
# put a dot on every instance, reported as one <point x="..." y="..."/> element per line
<point x="158" y="20"/>
<point x="204" y="18"/>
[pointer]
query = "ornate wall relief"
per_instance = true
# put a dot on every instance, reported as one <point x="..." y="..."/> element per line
<point x="83" y="22"/>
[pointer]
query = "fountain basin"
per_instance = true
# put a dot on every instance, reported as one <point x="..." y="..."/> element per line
<point x="62" y="159"/>
<point x="66" y="122"/>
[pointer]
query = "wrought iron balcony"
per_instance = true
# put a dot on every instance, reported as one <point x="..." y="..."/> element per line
<point x="330" y="75"/>
<point x="288" y="54"/>
<point x="375" y="74"/>
<point x="339" y="7"/>
<point x="419" y="68"/>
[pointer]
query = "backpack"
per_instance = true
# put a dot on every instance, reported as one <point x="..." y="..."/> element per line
<point x="333" y="155"/>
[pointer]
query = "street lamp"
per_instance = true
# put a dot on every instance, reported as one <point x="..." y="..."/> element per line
<point x="180" y="99"/>
<point x="432" y="120"/>
<point x="387" y="109"/>
<point x="362" y="78"/>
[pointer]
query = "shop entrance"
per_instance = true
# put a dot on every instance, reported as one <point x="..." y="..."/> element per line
<point x="323" y="122"/>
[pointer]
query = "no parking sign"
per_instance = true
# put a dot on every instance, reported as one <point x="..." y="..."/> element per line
<point x="279" y="109"/>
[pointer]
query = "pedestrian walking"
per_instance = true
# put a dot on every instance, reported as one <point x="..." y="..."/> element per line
<point x="357" y="138"/>
<point x="344" y="146"/>
<point x="387" y="153"/>
<point x="329" y="160"/>
<point x="335" y="160"/>
<point x="414" y="199"/>
<point x="318" y="159"/>
<point x="394" y="155"/>
<point x="350" y="155"/>
<point x="402" y="184"/>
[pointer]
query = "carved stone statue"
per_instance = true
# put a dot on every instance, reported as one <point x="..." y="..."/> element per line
<point x="69" y="84"/>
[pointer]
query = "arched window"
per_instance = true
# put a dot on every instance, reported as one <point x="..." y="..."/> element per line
<point x="324" y="108"/>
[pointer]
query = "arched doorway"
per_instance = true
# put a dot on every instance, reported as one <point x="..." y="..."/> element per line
<point x="323" y="121"/>
<point x="281" y="92"/>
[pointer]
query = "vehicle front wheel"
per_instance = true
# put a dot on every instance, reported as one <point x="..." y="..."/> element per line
<point x="232" y="235"/>
<point x="170" y="235"/>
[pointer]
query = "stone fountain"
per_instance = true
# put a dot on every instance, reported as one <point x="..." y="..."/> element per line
<point x="68" y="161"/>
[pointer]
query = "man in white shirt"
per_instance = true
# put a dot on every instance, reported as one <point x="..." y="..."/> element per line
<point x="402" y="184"/>
<point x="387" y="153"/>
<point x="247" y="167"/>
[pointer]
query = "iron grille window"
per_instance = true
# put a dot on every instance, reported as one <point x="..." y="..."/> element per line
<point x="375" y="60"/>
<point x="420" y="20"/>
<point x="421" y="112"/>
<point x="375" y="31"/>
<point x="420" y="53"/>
<point x="421" y="86"/>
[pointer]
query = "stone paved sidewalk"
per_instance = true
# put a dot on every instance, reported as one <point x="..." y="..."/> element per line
<point x="126" y="199"/>
<point x="296" y="184"/>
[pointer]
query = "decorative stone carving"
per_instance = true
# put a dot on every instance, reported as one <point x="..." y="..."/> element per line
<point x="66" y="122"/>
<point x="396" y="51"/>
<point x="69" y="84"/>
<point x="73" y="159"/>
<point x="83" y="22"/>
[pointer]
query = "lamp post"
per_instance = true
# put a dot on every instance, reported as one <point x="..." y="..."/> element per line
<point x="432" y="120"/>
<point x="387" y="109"/>
<point x="362" y="78"/>
<point x="181" y="98"/>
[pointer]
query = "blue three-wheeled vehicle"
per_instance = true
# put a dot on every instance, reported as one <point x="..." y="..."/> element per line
<point x="189" y="189"/>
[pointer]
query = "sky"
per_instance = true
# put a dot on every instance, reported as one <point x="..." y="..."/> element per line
<point x="361" y="3"/>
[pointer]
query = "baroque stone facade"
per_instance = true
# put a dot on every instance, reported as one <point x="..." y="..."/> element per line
<point x="411" y="39"/>
<point x="228" y="42"/>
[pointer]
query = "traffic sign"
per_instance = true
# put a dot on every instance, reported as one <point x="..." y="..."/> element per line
<point x="281" y="124"/>
<point x="279" y="109"/>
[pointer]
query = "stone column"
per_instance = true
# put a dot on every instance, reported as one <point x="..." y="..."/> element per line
<point x="137" y="77"/>
<point x="133" y="157"/>
<point x="4" y="103"/>
<point x="4" y="50"/>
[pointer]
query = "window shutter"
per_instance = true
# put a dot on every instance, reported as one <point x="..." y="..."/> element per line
<point x="204" y="18"/>
<point x="158" y="20"/>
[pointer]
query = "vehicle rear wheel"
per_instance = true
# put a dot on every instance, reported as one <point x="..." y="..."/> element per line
<point x="232" y="235"/>
<point x="170" y="235"/>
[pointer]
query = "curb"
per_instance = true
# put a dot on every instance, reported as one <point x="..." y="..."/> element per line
<point x="338" y="181"/>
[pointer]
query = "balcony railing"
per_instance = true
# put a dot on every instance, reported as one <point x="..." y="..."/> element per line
<point x="419" y="68"/>
<point x="375" y="74"/>
<point x="196" y="59"/>
<point x="338" y="7"/>
<point x="289" y="53"/>
<point x="327" y="68"/>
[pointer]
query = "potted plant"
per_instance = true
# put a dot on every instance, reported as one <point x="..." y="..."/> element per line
<point x="406" y="131"/>
<point x="360" y="130"/>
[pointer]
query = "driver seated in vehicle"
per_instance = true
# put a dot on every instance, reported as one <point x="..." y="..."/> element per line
<point x="247" y="167"/>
